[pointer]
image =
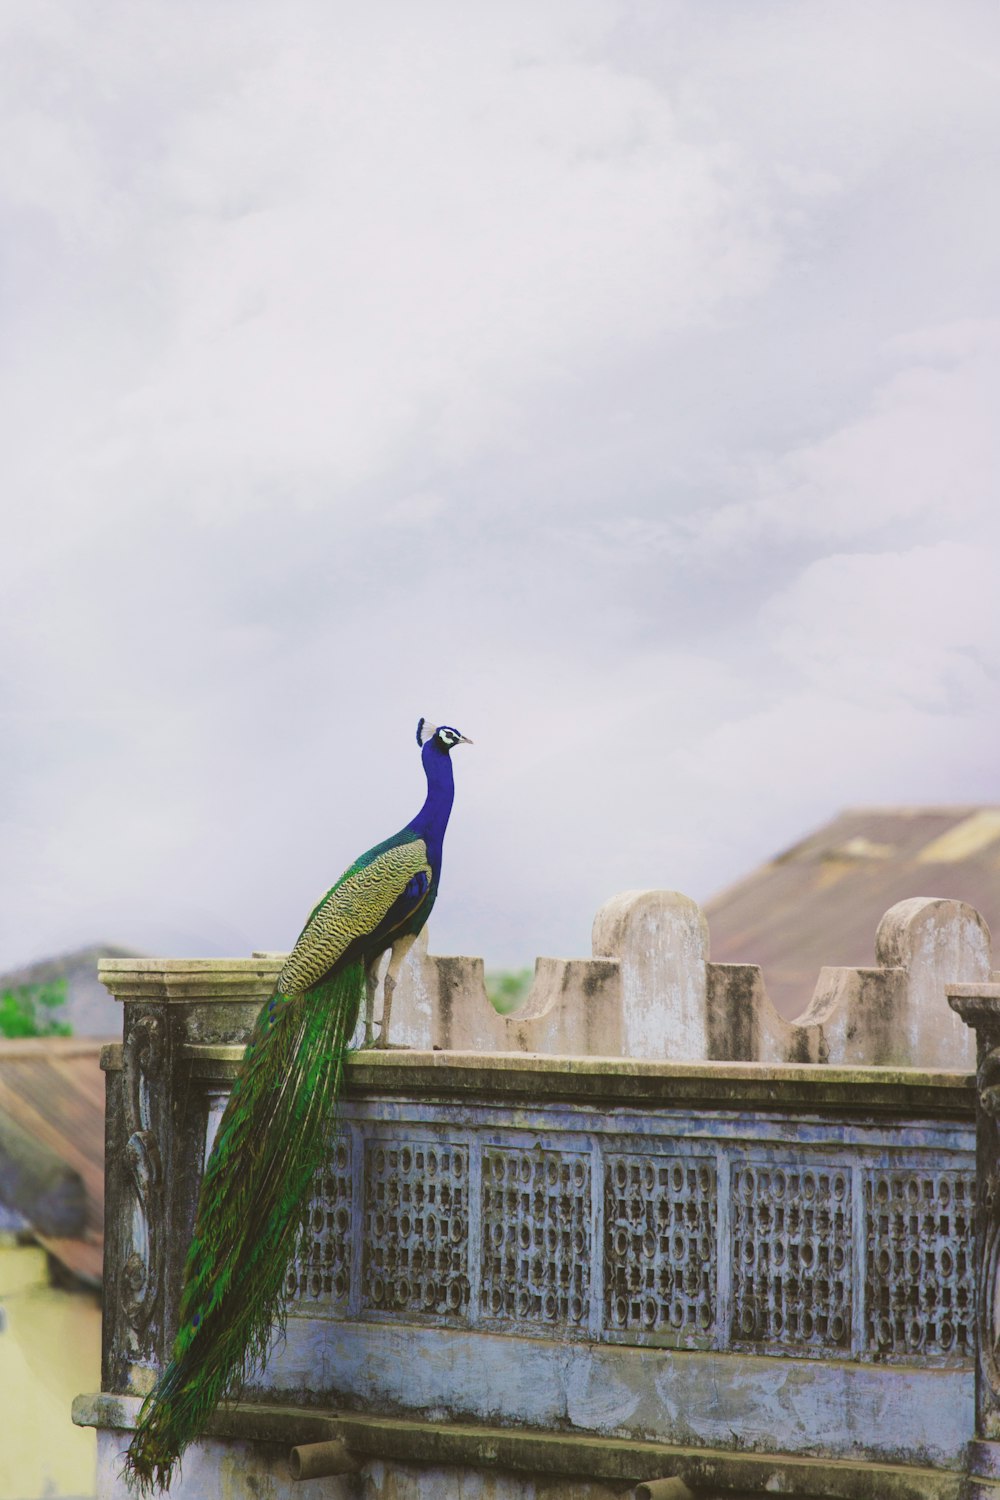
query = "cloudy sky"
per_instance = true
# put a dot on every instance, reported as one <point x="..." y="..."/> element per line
<point x="618" y="381"/>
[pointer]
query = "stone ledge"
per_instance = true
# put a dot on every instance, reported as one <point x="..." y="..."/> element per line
<point x="634" y="1080"/>
<point x="192" y="980"/>
<point x="618" y="1080"/>
<point x="549" y="1454"/>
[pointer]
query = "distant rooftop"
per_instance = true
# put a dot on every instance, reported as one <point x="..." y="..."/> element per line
<point x="52" y="1091"/>
<point x="821" y="900"/>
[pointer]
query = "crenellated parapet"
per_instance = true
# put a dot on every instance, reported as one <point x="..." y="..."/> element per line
<point x="651" y="991"/>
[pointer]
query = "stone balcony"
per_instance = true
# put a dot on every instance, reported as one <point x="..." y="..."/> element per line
<point x="642" y="1230"/>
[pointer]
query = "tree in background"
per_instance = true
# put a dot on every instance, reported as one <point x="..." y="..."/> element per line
<point x="507" y="988"/>
<point x="30" y="1010"/>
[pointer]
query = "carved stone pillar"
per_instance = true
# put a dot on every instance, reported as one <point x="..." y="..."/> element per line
<point x="979" y="1007"/>
<point x="137" y="1171"/>
<point x="158" y="1117"/>
<point x="142" y="1274"/>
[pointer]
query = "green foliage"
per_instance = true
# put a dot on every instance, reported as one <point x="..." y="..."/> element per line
<point x="29" y="1010"/>
<point x="507" y="988"/>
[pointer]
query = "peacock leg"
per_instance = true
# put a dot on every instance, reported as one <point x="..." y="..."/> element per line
<point x="371" y="986"/>
<point x="400" y="949"/>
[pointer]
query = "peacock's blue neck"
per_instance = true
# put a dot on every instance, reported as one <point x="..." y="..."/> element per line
<point x="432" y="819"/>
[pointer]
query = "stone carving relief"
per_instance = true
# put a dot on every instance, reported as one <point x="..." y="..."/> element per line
<point x="979" y="1007"/>
<point x="536" y="1236"/>
<point x="791" y="1257"/>
<point x="919" y="1262"/>
<point x="322" y="1267"/>
<point x="142" y="1270"/>
<point x="416" y="1227"/>
<point x="660" y="1263"/>
<point x="988" y="1086"/>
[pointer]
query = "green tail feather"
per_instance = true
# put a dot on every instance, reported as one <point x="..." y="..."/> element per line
<point x="271" y="1140"/>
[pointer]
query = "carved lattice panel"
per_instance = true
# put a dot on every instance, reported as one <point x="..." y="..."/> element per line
<point x="321" y="1271"/>
<point x="416" y="1227"/>
<point x="791" y="1257"/>
<point x="918" y="1262"/>
<point x="659" y="1245"/>
<point x="536" y="1243"/>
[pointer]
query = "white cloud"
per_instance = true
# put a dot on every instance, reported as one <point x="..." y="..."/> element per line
<point x="916" y="629"/>
<point x="924" y="454"/>
<point x="347" y="250"/>
<point x="618" y="383"/>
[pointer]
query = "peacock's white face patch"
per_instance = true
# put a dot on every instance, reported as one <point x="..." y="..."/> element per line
<point x="446" y="736"/>
<point x="450" y="737"/>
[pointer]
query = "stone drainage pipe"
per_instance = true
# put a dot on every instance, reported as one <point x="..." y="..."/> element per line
<point x="663" y="1489"/>
<point x="317" y="1460"/>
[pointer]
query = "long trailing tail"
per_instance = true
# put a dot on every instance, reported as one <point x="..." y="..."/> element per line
<point x="271" y="1140"/>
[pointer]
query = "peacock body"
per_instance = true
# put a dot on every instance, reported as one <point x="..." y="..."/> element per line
<point x="275" y="1130"/>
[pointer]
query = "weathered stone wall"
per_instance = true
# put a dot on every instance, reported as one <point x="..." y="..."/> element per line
<point x="642" y="1228"/>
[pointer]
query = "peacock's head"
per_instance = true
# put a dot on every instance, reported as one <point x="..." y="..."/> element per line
<point x="444" y="737"/>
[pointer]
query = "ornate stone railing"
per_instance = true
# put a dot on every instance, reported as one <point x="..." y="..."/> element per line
<point x="753" y="1274"/>
<point x="682" y="1223"/>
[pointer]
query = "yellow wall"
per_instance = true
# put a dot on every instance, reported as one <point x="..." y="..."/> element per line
<point x="50" y="1351"/>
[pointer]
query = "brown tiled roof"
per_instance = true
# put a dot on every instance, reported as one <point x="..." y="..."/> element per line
<point x="821" y="901"/>
<point x="53" y="1088"/>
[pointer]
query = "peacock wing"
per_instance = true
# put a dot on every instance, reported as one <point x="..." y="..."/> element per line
<point x="353" y="909"/>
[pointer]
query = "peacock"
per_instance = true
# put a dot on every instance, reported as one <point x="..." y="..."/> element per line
<point x="276" y="1126"/>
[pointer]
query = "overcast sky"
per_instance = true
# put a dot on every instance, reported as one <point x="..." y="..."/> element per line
<point x="618" y="382"/>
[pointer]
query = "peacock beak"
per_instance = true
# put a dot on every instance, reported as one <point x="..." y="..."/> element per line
<point x="464" y="740"/>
